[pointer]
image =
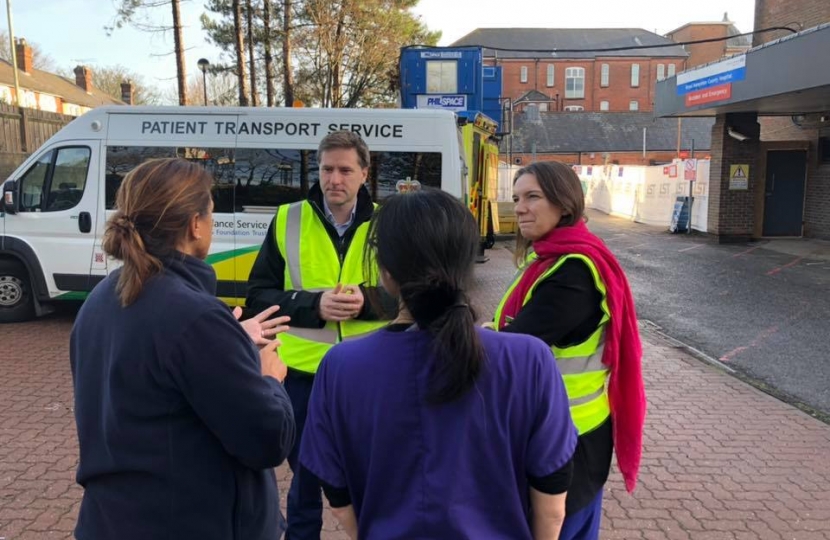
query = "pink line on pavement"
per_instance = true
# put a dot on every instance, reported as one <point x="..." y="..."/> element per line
<point x="754" y="343"/>
<point x="750" y="250"/>
<point x="788" y="265"/>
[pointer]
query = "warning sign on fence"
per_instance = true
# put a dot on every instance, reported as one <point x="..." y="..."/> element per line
<point x="690" y="170"/>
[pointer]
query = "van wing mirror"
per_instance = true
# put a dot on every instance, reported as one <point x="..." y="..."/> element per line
<point x="10" y="197"/>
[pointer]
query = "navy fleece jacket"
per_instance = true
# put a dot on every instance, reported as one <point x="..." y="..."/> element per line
<point x="178" y="429"/>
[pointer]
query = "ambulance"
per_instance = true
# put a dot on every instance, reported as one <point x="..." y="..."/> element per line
<point x="56" y="204"/>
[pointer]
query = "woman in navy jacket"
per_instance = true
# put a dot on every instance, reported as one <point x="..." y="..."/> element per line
<point x="180" y="418"/>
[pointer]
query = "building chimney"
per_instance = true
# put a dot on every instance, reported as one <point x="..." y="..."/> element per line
<point x="83" y="78"/>
<point x="127" y="92"/>
<point x="24" y="56"/>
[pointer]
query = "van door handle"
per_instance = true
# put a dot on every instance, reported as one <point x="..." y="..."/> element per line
<point x="85" y="222"/>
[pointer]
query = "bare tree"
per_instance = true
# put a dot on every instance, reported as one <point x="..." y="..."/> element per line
<point x="109" y="79"/>
<point x="178" y="43"/>
<point x="249" y="8"/>
<point x="135" y="13"/>
<point x="240" y="53"/>
<point x="269" y="57"/>
<point x="287" y="70"/>
<point x="222" y="88"/>
<point x="348" y="49"/>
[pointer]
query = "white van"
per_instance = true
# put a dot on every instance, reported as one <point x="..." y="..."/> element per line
<point x="56" y="203"/>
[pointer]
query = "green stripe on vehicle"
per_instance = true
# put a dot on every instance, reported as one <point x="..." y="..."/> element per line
<point x="74" y="295"/>
<point x="225" y="255"/>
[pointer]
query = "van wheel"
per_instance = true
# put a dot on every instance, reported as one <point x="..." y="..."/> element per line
<point x="490" y="241"/>
<point x="17" y="302"/>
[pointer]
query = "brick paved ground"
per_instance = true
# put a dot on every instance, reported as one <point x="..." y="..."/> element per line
<point x="722" y="460"/>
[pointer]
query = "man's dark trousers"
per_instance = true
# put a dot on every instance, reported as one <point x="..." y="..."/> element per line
<point x="305" y="501"/>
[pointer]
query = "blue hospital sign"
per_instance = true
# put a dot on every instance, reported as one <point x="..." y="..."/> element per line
<point x="455" y="102"/>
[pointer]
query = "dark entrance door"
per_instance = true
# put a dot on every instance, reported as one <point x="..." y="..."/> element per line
<point x="784" y="193"/>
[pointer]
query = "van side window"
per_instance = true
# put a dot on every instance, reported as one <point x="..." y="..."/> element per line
<point x="56" y="181"/>
<point x="257" y="180"/>
<point x="218" y="161"/>
<point x="123" y="159"/>
<point x="33" y="184"/>
<point x="68" y="179"/>
<point x="390" y="167"/>
<point x="267" y="178"/>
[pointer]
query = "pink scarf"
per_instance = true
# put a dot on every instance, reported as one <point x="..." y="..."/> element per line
<point x="623" y="351"/>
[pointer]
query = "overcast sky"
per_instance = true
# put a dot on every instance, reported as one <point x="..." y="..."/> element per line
<point x="72" y="31"/>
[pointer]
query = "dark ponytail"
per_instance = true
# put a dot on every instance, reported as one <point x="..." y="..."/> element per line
<point x="155" y="204"/>
<point x="427" y="242"/>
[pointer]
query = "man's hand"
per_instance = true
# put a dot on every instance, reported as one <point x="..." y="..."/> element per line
<point x="341" y="303"/>
<point x="261" y="328"/>
<point x="357" y="293"/>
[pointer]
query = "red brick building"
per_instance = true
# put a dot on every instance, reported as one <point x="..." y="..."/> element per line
<point x="772" y="118"/>
<point x="810" y="130"/>
<point x="561" y="74"/>
<point x="703" y="53"/>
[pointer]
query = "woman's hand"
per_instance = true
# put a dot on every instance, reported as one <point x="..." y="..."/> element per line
<point x="272" y="365"/>
<point x="261" y="328"/>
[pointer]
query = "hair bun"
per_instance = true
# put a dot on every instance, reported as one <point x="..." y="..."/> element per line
<point x="123" y="223"/>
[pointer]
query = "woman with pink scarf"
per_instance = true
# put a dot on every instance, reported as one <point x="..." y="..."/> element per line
<point x="572" y="294"/>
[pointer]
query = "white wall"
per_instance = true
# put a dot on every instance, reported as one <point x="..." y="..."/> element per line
<point x="641" y="194"/>
<point x="646" y="194"/>
<point x="506" y="173"/>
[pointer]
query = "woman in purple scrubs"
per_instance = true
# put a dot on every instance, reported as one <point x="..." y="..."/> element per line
<point x="432" y="427"/>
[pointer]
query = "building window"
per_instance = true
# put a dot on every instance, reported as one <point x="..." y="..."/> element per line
<point x="29" y="99"/>
<point x="550" y="75"/>
<point x="70" y="109"/>
<point x="603" y="105"/>
<point x="574" y="108"/>
<point x="523" y="74"/>
<point x="661" y="72"/>
<point x="442" y="77"/>
<point x="575" y="83"/>
<point x="604" y="75"/>
<point x="671" y="70"/>
<point x="635" y="75"/>
<point x="634" y="105"/>
<point x="543" y="107"/>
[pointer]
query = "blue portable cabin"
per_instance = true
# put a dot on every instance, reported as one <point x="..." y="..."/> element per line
<point x="455" y="78"/>
<point x="450" y="78"/>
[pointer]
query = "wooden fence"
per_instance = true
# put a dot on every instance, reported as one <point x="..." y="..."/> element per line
<point x="22" y="131"/>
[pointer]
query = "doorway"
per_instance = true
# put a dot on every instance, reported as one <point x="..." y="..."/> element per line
<point x="784" y="192"/>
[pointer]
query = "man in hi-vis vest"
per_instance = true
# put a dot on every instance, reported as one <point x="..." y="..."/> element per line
<point x="311" y="264"/>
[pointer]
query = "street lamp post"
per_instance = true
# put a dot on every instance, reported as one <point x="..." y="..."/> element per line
<point x="203" y="65"/>
<point x="18" y="99"/>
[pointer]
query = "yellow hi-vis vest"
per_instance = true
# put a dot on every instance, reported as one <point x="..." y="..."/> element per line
<point x="580" y="365"/>
<point x="312" y="263"/>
